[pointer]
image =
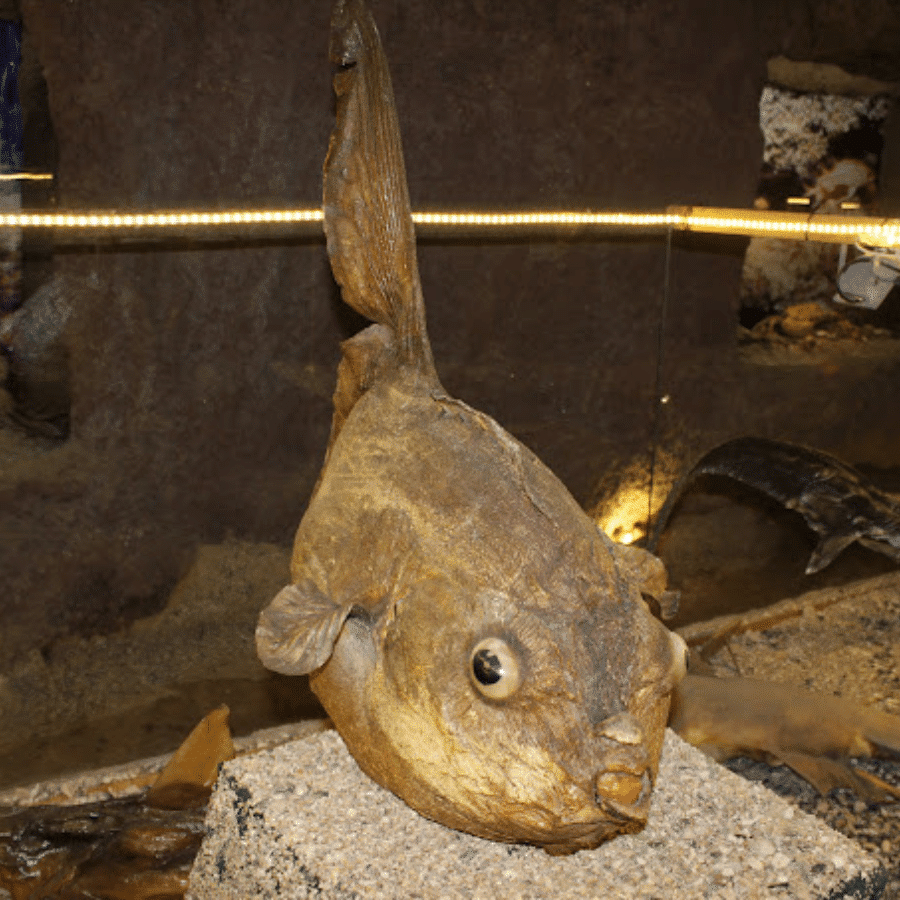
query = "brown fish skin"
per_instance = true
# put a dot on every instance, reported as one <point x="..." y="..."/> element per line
<point x="478" y="644"/>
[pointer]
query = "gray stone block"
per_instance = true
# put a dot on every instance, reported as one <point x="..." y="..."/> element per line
<point x="301" y="820"/>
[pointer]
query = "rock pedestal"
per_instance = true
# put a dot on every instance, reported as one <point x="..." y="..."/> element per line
<point x="303" y="821"/>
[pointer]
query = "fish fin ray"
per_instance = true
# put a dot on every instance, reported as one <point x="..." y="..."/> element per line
<point x="298" y="629"/>
<point x="368" y="219"/>
<point x="825" y="774"/>
<point x="829" y="546"/>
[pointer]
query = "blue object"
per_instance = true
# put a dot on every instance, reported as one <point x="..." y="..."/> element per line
<point x="10" y="107"/>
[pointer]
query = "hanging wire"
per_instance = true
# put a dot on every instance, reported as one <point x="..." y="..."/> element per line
<point x="658" y="398"/>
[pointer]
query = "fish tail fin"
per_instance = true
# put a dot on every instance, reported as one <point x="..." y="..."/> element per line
<point x="829" y="546"/>
<point x="368" y="219"/>
<point x="826" y="774"/>
<point x="882" y="732"/>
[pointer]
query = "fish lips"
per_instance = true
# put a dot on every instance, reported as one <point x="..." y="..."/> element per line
<point x="599" y="826"/>
<point x="609" y="818"/>
<point x="618" y="802"/>
<point x="624" y="796"/>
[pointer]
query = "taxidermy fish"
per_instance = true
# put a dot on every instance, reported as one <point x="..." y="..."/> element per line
<point x="483" y="650"/>
<point x="814" y="734"/>
<point x="838" y="503"/>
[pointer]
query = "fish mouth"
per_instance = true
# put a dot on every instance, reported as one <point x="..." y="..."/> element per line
<point x="624" y="796"/>
<point x="608" y="818"/>
<point x="585" y="822"/>
<point x="619" y="804"/>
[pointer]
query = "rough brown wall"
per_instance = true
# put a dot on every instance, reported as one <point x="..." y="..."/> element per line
<point x="201" y="377"/>
<point x="861" y="36"/>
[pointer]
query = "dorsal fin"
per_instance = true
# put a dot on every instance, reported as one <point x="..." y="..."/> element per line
<point x="368" y="220"/>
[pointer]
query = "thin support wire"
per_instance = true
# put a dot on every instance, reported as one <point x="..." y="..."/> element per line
<point x="657" y="387"/>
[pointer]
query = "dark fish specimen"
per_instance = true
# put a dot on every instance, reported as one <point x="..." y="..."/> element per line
<point x="838" y="503"/>
<point x="107" y="850"/>
<point x="482" y="649"/>
<point x="140" y="847"/>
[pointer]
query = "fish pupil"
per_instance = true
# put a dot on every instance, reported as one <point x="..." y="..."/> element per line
<point x="487" y="667"/>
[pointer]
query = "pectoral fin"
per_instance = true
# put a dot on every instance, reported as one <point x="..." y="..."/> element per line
<point x="649" y="574"/>
<point x="298" y="629"/>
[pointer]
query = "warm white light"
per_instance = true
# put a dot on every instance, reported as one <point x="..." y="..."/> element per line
<point x="26" y="176"/>
<point x="799" y="226"/>
<point x="115" y="220"/>
<point x="501" y="220"/>
<point x="840" y="229"/>
<point x="624" y="516"/>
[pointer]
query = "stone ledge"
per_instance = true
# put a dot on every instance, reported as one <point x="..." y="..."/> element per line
<point x="301" y="820"/>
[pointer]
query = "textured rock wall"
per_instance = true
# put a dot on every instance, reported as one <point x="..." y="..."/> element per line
<point x="200" y="376"/>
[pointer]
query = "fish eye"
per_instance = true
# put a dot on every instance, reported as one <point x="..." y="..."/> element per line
<point x="494" y="667"/>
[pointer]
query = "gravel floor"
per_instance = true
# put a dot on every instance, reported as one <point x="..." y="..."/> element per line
<point x="851" y="650"/>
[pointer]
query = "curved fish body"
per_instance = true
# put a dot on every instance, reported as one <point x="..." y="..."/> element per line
<point x="483" y="650"/>
<point x="838" y="503"/>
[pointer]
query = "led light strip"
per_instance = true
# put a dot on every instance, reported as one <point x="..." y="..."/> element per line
<point x="26" y="176"/>
<point x="114" y="221"/>
<point x="834" y="229"/>
<point x="839" y="229"/>
<point x="505" y="220"/>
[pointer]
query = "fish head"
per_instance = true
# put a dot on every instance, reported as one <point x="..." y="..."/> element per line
<point x="533" y="712"/>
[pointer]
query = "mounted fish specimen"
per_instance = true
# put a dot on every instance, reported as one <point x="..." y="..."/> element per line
<point x="814" y="734"/>
<point x="837" y="502"/>
<point x="483" y="650"/>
